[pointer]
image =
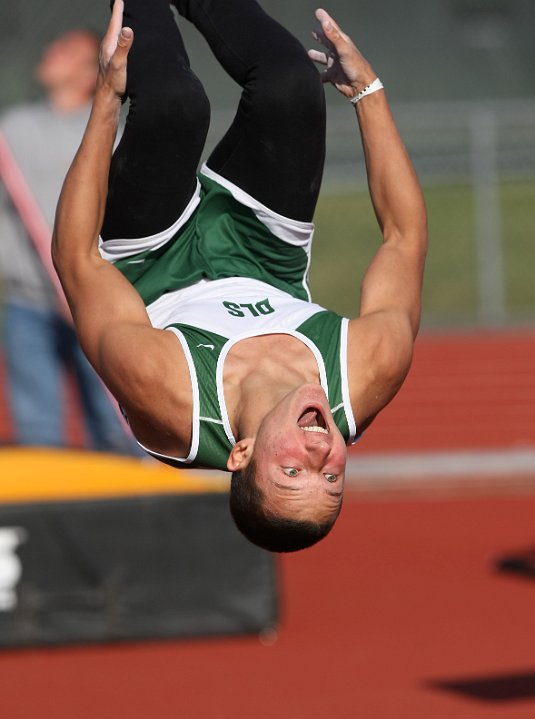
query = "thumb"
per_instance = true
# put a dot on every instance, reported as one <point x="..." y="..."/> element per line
<point x="125" y="40"/>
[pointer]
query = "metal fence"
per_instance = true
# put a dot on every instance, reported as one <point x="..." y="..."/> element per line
<point x="478" y="145"/>
<point x="475" y="143"/>
<point x="450" y="142"/>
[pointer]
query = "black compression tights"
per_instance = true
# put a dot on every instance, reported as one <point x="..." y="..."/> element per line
<point x="275" y="147"/>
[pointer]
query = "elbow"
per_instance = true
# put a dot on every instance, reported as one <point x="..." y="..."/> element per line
<point x="54" y="251"/>
<point x="59" y="260"/>
<point x="408" y="232"/>
<point x="421" y="234"/>
<point x="56" y="256"/>
<point x="68" y="254"/>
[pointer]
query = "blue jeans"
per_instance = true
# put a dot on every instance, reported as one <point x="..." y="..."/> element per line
<point x="39" y="345"/>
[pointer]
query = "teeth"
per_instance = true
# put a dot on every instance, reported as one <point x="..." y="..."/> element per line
<point x="315" y="428"/>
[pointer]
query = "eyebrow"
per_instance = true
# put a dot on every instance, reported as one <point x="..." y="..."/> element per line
<point x="285" y="486"/>
<point x="331" y="492"/>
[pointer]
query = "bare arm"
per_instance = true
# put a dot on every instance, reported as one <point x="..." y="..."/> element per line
<point x="102" y="301"/>
<point x="391" y="289"/>
<point x="394" y="278"/>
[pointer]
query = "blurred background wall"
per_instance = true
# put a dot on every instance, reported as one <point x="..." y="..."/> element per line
<point x="425" y="49"/>
<point x="461" y="77"/>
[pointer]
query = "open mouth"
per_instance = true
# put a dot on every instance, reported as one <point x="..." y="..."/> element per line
<point x="312" y="420"/>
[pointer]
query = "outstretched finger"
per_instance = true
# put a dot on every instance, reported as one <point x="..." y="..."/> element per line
<point x="317" y="56"/>
<point x="322" y="59"/>
<point x="110" y="40"/>
<point x="326" y="21"/>
<point x="330" y="28"/>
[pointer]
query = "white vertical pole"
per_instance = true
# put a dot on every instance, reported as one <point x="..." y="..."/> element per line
<point x="487" y="217"/>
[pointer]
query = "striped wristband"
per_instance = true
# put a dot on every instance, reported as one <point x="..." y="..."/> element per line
<point x="372" y="87"/>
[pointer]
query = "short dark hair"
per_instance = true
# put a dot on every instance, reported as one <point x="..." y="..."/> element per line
<point x="265" y="529"/>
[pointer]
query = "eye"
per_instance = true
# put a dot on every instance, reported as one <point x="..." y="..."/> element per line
<point x="290" y="471"/>
<point x="330" y="477"/>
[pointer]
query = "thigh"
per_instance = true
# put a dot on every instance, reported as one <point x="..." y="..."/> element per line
<point x="153" y="169"/>
<point x="275" y="148"/>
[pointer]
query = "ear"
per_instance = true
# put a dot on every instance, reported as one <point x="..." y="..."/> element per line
<point x="240" y="454"/>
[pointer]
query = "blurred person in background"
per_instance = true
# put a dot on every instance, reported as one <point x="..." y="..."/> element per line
<point x="38" y="342"/>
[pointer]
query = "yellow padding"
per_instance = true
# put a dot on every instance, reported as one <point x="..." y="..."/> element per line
<point x="32" y="475"/>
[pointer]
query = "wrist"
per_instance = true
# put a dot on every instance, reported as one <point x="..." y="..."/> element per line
<point x="366" y="75"/>
<point x="368" y="89"/>
<point x="107" y="92"/>
<point x="106" y="103"/>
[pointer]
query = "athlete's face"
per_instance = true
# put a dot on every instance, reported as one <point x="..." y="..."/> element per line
<point x="300" y="457"/>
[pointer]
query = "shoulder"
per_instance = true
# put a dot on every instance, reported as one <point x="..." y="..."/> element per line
<point x="16" y="119"/>
<point x="380" y="350"/>
<point x="146" y="370"/>
<point x="142" y="365"/>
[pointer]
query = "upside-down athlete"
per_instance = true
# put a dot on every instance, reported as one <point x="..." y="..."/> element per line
<point x="188" y="289"/>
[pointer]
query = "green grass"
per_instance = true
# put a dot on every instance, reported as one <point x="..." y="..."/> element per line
<point x="518" y="202"/>
<point x="347" y="236"/>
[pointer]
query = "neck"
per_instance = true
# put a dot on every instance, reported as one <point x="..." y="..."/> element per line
<point x="259" y="373"/>
<point x="256" y="399"/>
<point x="68" y="99"/>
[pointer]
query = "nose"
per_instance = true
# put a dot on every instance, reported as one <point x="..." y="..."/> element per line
<point x="318" y="449"/>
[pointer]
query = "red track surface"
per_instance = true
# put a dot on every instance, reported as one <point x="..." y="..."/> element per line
<point x="401" y="599"/>
<point x="403" y="594"/>
<point x="468" y="391"/>
<point x="473" y="390"/>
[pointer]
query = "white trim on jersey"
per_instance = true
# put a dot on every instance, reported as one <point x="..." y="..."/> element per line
<point x="195" y="425"/>
<point x="294" y="232"/>
<point x="345" y="382"/>
<point x="120" y="249"/>
<point x="202" y="305"/>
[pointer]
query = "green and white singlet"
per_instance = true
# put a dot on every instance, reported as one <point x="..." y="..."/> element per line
<point x="231" y="269"/>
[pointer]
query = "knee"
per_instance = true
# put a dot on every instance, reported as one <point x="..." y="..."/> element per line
<point x="171" y="106"/>
<point x="186" y="104"/>
<point x="295" y="87"/>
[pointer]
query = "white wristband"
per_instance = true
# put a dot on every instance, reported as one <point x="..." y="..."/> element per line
<point x="372" y="87"/>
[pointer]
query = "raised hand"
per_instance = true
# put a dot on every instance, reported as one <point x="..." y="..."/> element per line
<point x="345" y="67"/>
<point x="114" y="53"/>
